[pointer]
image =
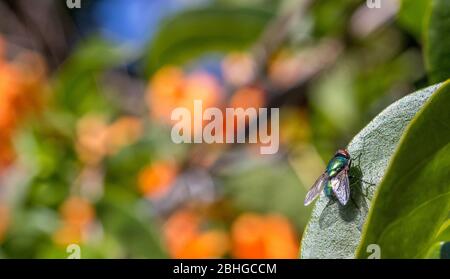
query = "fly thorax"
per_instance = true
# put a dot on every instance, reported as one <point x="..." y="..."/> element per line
<point x="336" y="164"/>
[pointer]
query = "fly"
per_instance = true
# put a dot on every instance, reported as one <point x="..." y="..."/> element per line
<point x="334" y="181"/>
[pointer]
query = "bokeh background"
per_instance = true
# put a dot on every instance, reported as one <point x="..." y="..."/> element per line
<point x="86" y="94"/>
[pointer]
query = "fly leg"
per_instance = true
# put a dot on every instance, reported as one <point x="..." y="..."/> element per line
<point x="365" y="191"/>
<point x="359" y="179"/>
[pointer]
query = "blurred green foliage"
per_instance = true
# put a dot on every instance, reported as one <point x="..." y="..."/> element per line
<point x="437" y="44"/>
<point x="87" y="156"/>
<point x="195" y="32"/>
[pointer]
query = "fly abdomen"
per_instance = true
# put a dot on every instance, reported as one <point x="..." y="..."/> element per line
<point x="327" y="189"/>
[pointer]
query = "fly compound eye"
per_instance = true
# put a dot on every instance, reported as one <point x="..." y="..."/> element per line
<point x="346" y="154"/>
<point x="343" y="152"/>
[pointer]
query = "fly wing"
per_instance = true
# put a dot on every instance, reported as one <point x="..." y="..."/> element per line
<point x="316" y="188"/>
<point x="341" y="186"/>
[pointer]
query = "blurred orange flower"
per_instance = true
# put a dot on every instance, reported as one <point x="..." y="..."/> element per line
<point x="96" y="139"/>
<point x="209" y="244"/>
<point x="263" y="237"/>
<point x="155" y="179"/>
<point x="201" y="86"/>
<point x="248" y="97"/>
<point x="245" y="98"/>
<point x="285" y="69"/>
<point x="9" y="96"/>
<point x="171" y="88"/>
<point x="91" y="138"/>
<point x="185" y="239"/>
<point x="76" y="214"/>
<point x="77" y="211"/>
<point x="165" y="90"/>
<point x="238" y="68"/>
<point x="68" y="234"/>
<point x="179" y="229"/>
<point x="22" y="84"/>
<point x="124" y="131"/>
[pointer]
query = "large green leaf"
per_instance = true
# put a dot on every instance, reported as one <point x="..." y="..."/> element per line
<point x="335" y="231"/>
<point x="438" y="41"/>
<point x="194" y="32"/>
<point x="413" y="199"/>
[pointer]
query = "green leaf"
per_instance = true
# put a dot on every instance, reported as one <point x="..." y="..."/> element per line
<point x="435" y="251"/>
<point x="437" y="47"/>
<point x="444" y="232"/>
<point x="191" y="33"/>
<point x="77" y="83"/>
<point x="412" y="16"/>
<point x="331" y="17"/>
<point x="334" y="231"/>
<point x="413" y="199"/>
